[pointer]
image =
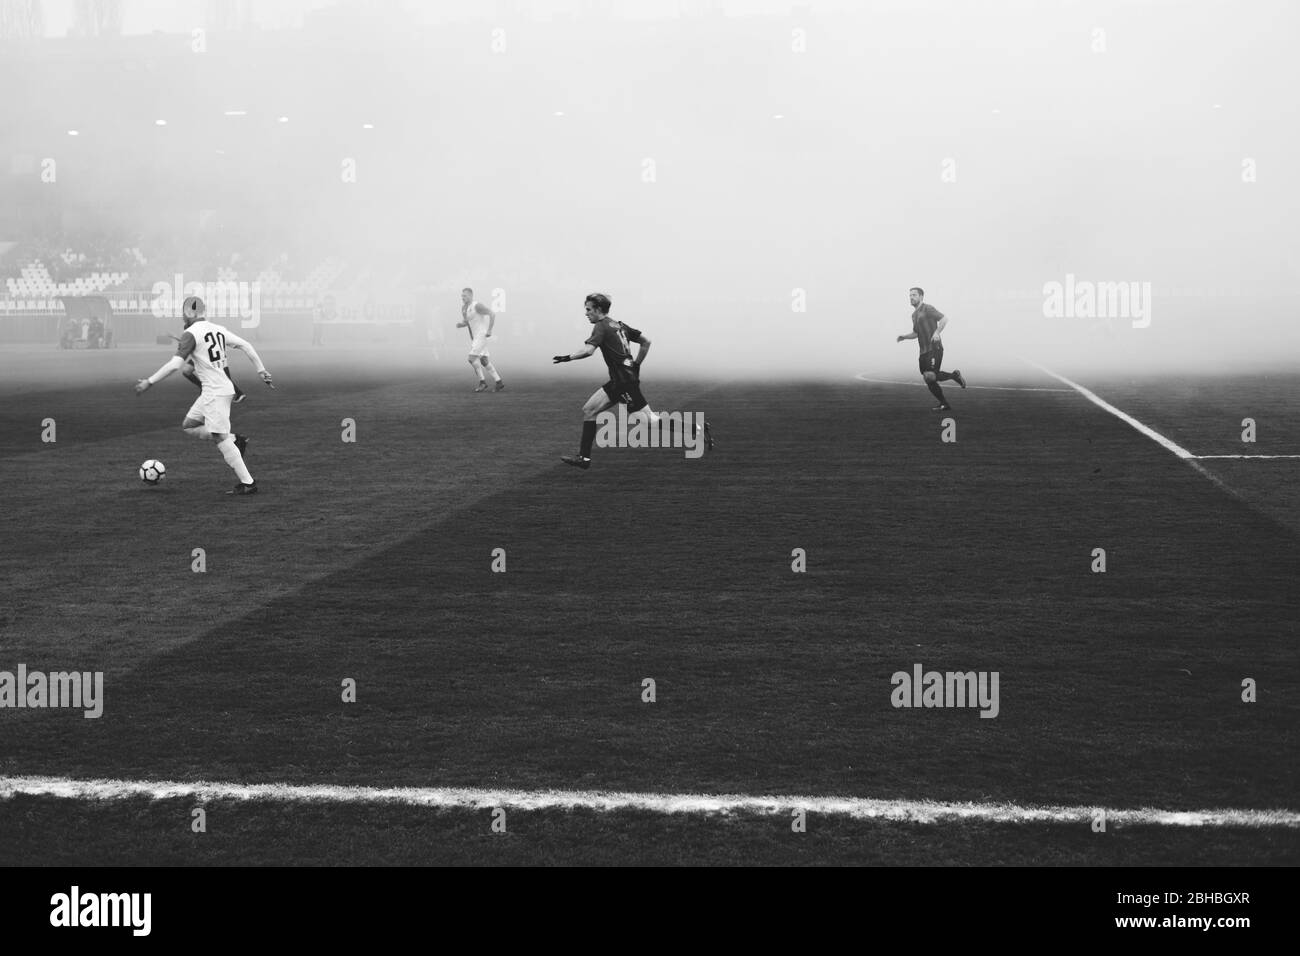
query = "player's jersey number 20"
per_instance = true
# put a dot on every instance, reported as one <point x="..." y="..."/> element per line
<point x="216" y="343"/>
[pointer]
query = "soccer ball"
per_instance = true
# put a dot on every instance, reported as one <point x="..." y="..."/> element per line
<point x="152" y="471"/>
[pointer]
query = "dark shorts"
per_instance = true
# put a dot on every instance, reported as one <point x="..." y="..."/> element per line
<point x="931" y="360"/>
<point x="624" y="388"/>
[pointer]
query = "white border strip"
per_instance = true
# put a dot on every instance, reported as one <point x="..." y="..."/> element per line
<point x="914" y="811"/>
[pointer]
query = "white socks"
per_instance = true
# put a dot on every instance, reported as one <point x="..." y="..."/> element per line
<point x="491" y="370"/>
<point x="234" y="459"/>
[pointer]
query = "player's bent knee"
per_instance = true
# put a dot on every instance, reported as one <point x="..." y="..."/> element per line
<point x="931" y="377"/>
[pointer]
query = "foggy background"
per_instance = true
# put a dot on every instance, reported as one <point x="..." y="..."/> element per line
<point x="756" y="185"/>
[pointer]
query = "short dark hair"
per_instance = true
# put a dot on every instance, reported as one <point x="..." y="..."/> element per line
<point x="600" y="301"/>
<point x="917" y="288"/>
<point x="467" y="289"/>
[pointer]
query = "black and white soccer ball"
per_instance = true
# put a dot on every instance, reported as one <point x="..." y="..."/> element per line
<point x="152" y="471"/>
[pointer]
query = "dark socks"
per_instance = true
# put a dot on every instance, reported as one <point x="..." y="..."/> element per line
<point x="588" y="438"/>
<point x="936" y="391"/>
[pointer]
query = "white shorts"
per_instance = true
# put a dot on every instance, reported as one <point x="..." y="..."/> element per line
<point x="214" y="410"/>
<point x="478" y="348"/>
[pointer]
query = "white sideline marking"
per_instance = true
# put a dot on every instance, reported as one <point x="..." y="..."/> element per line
<point x="1125" y="417"/>
<point x="914" y="811"/>
<point x="1155" y="436"/>
<point x="862" y="377"/>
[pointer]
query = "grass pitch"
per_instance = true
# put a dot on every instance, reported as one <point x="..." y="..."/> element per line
<point x="371" y="561"/>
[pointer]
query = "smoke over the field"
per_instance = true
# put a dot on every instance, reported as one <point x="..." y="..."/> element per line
<point x="1107" y="186"/>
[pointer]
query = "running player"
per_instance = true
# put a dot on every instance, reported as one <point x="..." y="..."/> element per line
<point x="189" y="374"/>
<point x="479" y="319"/>
<point x="927" y="326"/>
<point x="624" y="385"/>
<point x="205" y="344"/>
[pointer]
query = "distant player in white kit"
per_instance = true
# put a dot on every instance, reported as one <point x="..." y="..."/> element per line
<point x="479" y="319"/>
<point x="204" y="343"/>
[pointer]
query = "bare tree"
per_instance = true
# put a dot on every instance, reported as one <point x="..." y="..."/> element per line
<point x="97" y="18"/>
<point x="21" y="20"/>
<point x="226" y="14"/>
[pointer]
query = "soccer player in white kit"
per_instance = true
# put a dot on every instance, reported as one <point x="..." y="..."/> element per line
<point x="479" y="319"/>
<point x="204" y="343"/>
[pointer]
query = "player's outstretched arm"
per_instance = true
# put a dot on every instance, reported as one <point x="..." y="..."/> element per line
<point x="904" y="338"/>
<point x="235" y="342"/>
<point x="582" y="353"/>
<point x="172" y="364"/>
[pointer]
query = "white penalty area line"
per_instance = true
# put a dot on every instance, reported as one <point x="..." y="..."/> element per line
<point x="911" y="811"/>
<point x="1154" y="435"/>
<point x="862" y="377"/>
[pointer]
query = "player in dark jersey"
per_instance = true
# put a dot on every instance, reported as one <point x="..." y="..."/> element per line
<point x="927" y="325"/>
<point x="624" y="385"/>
